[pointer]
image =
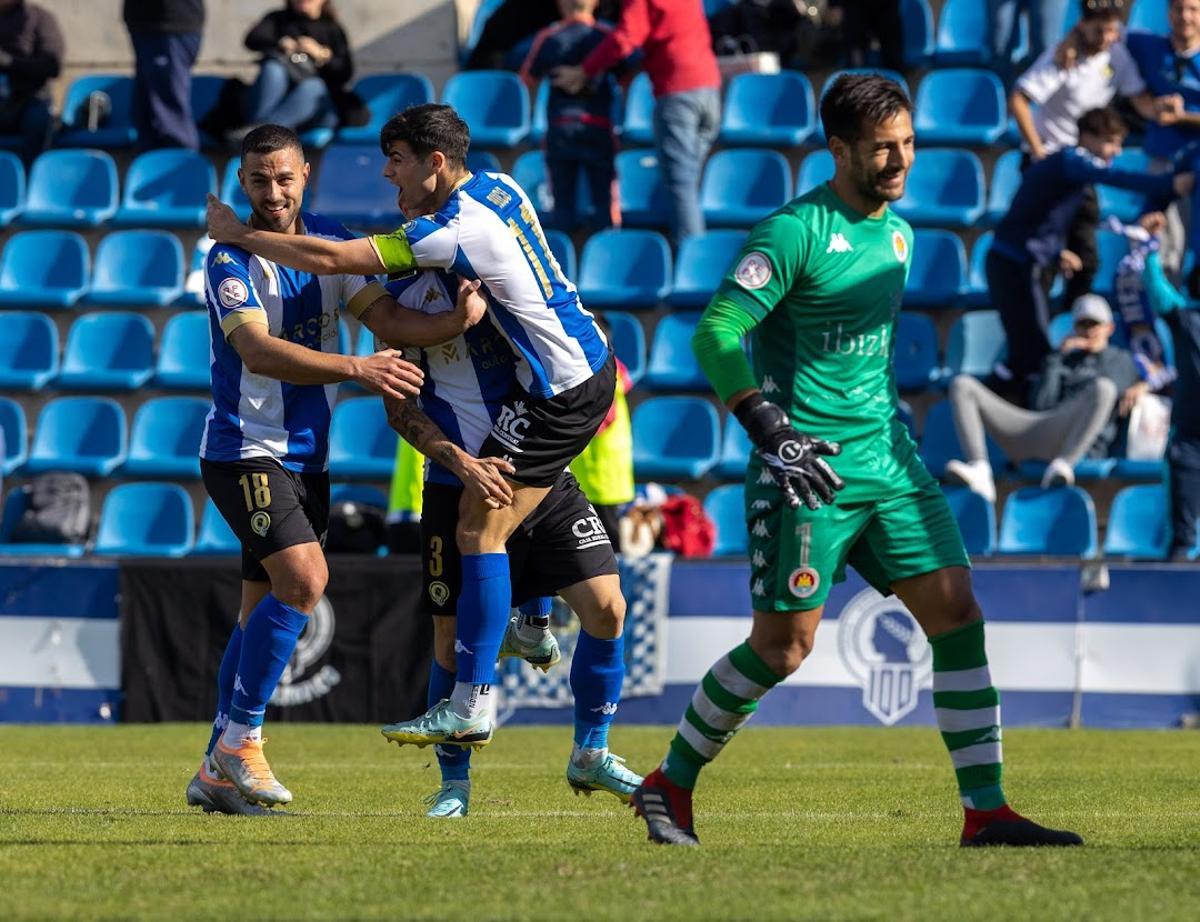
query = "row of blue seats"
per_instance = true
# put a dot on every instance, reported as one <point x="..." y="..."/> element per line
<point x="1058" y="522"/>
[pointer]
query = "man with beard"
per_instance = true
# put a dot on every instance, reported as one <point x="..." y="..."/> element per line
<point x="818" y="287"/>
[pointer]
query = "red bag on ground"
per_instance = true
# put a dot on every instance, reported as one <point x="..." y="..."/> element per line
<point x="687" y="530"/>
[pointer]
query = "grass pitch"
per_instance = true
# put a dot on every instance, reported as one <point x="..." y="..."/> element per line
<point x="797" y="824"/>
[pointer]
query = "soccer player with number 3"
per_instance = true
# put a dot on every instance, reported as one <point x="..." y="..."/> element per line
<point x="835" y="476"/>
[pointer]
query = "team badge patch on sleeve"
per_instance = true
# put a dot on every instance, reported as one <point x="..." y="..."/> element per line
<point x="233" y="293"/>
<point x="753" y="272"/>
<point x="899" y="246"/>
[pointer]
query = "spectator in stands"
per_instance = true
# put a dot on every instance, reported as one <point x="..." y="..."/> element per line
<point x="1170" y="65"/>
<point x="1072" y="410"/>
<point x="303" y="81"/>
<point x="1030" y="243"/>
<point x="509" y="31"/>
<point x="166" y="42"/>
<point x="865" y="20"/>
<point x="678" y="55"/>
<point x="579" y="126"/>
<point x="1099" y="68"/>
<point x="1046" y="19"/>
<point x="31" y="54"/>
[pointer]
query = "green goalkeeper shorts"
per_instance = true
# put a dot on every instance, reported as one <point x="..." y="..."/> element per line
<point x="796" y="555"/>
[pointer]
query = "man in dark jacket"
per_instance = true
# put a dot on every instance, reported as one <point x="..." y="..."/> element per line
<point x="31" y="53"/>
<point x="166" y="42"/>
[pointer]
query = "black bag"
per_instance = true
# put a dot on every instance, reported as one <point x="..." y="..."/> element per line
<point x="58" y="510"/>
<point x="298" y="65"/>
<point x="355" y="528"/>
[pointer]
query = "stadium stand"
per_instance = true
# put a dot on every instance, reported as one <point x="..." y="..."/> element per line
<point x="385" y="95"/>
<point x="14" y="507"/>
<point x="529" y="171"/>
<point x="976" y="293"/>
<point x="939" y="442"/>
<point x="769" y="110"/>
<point x="71" y="188"/>
<point x="85" y="435"/>
<point x="361" y="493"/>
<point x="625" y="269"/>
<point x="741" y="187"/>
<point x="724" y="506"/>
<point x="1006" y="179"/>
<point x="143" y="267"/>
<point x="206" y="92"/>
<point x="976" y="342"/>
<point x="919" y="45"/>
<point x="215" y="536"/>
<point x="231" y="190"/>
<point x="815" y="168"/>
<point x="674" y="438"/>
<point x="1059" y="522"/>
<point x="110" y="351"/>
<point x="916" y="352"/>
<point x="28" y="351"/>
<point x="945" y="189"/>
<point x="117" y="130"/>
<point x="1138" y="523"/>
<point x="963" y="33"/>
<point x="183" y="353"/>
<point x="15" y="434"/>
<point x="937" y="273"/>
<point x="361" y="444"/>
<point x="165" y="441"/>
<point x="673" y="365"/>
<point x="166" y="188"/>
<point x="44" y="268"/>
<point x="641" y="193"/>
<point x="351" y="189"/>
<point x="628" y="341"/>
<point x="735" y="451"/>
<point x="976" y="519"/>
<point x="494" y="104"/>
<point x="960" y="106"/>
<point x="12" y="187"/>
<point x="482" y="161"/>
<point x="637" y="126"/>
<point x="145" y="520"/>
<point x="700" y="264"/>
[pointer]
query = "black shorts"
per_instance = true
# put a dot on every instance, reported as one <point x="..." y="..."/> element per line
<point x="561" y="543"/>
<point x="542" y="436"/>
<point x="268" y="507"/>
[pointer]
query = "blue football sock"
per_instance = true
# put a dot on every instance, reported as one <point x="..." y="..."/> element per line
<point x="597" y="671"/>
<point x="225" y="677"/>
<point x="484" y="602"/>
<point x="267" y="644"/>
<point x="454" y="760"/>
<point x="537" y="611"/>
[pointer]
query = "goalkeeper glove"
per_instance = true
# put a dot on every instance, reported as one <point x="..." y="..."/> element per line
<point x="793" y="458"/>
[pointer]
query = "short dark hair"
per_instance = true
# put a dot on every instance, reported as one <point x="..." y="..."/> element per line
<point x="857" y="99"/>
<point x="1102" y="9"/>
<point x="266" y="139"/>
<point x="1103" y="123"/>
<point x="427" y="128"/>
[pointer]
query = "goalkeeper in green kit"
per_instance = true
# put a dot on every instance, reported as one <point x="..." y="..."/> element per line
<point x="835" y="477"/>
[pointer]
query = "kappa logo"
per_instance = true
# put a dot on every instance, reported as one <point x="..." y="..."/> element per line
<point x="760" y="529"/>
<point x="460" y="647"/>
<point x="760" y="504"/>
<point x="511" y="426"/>
<point x="838" y="244"/>
<point x="765" y="477"/>
<point x="759" y="588"/>
<point x="607" y="709"/>
<point x="758" y="560"/>
<point x="886" y="652"/>
<point x="313" y="644"/>
<point x="992" y="736"/>
<point x="238" y="686"/>
<point x="220" y="258"/>
<point x="432" y="296"/>
<point x="769" y="386"/>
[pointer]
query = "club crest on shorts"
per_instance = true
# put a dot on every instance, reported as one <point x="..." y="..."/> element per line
<point x="803" y="582"/>
<point x="899" y="246"/>
<point x="233" y="292"/>
<point x="886" y="651"/>
<point x="753" y="271"/>
<point x="439" y="592"/>
<point x="260" y="523"/>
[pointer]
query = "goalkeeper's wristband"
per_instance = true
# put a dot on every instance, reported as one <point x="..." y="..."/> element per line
<point x="760" y="418"/>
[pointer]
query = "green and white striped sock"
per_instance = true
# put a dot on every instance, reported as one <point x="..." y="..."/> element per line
<point x="968" y="714"/>
<point x="724" y="700"/>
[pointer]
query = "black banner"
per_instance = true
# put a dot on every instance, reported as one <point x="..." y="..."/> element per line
<point x="363" y="658"/>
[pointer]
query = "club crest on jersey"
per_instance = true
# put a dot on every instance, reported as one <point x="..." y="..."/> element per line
<point x="233" y="293"/>
<point x="753" y="272"/>
<point x="886" y="652"/>
<point x="439" y="593"/>
<point x="803" y="582"/>
<point x="899" y="246"/>
<point x="260" y="523"/>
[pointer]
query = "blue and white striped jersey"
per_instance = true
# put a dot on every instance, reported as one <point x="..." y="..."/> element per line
<point x="466" y="378"/>
<point x="488" y="231"/>
<point x="254" y="416"/>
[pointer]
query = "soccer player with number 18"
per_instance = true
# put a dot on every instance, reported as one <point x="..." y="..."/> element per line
<point x="818" y="288"/>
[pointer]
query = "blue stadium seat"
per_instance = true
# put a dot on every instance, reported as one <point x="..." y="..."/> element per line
<point x="215" y="536"/>
<point x="1085" y="469"/>
<point x="482" y="14"/>
<point x="938" y="274"/>
<point x="961" y="106"/>
<point x="726" y="507"/>
<point x="385" y="95"/>
<point x="166" y="188"/>
<point x="529" y="172"/>
<point x="735" y="451"/>
<point x="917" y="23"/>
<point x="701" y="263"/>
<point x="362" y="493"/>
<point x="71" y="188"/>
<point x="564" y="252"/>
<point x="493" y="103"/>
<point x="977" y="294"/>
<point x="206" y="92"/>
<point x="14" y="508"/>
<point x="939" y="442"/>
<point x="638" y="124"/>
<point x="1060" y="328"/>
<point x="361" y="444"/>
<point x="771" y="110"/>
<point x="819" y="134"/>
<point x="117" y="130"/>
<point x="12" y="187"/>
<point x="1112" y="248"/>
<point x="1006" y="180"/>
<point x="976" y="519"/>
<point x="193" y="283"/>
<point x="673" y="365"/>
<point x="165" y="439"/>
<point x="815" y="168"/>
<point x="15" y="434"/>
<point x="28" y="351"/>
<point x="964" y="33"/>
<point x="945" y="189"/>
<point x="1122" y="203"/>
<point x="641" y="193"/>
<point x="44" y="269"/>
<point x="183" y="353"/>
<point x="81" y="434"/>
<point x="628" y="341"/>
<point x="351" y="189"/>
<point x="1059" y="522"/>
<point x="625" y="269"/>
<point x="142" y="267"/>
<point x="232" y="193"/>
<point x="146" y="520"/>
<point x="482" y="161"/>
<point x="916" y="352"/>
<point x="741" y="187"/>
<point x="108" y="351"/>
<point x="537" y="123"/>
<point x="1149" y="16"/>
<point x="975" y="344"/>
<point x="1140" y="469"/>
<point x="674" y="438"/>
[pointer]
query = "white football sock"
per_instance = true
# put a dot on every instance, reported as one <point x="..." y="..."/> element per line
<point x="470" y="701"/>
<point x="235" y="733"/>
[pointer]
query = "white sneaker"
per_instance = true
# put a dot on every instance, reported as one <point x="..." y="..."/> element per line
<point x="1059" y="473"/>
<point x="977" y="475"/>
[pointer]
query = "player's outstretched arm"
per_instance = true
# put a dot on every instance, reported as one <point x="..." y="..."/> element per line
<point x="482" y="477"/>
<point x="399" y="327"/>
<point x="299" y="251"/>
<point x="384" y="373"/>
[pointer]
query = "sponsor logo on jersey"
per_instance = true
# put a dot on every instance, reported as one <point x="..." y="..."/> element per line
<point x="803" y="582"/>
<point x="439" y="593"/>
<point x="840" y="341"/>
<point x="260" y="523"/>
<point x="886" y="652"/>
<point x="590" y="531"/>
<point x="499" y="197"/>
<point x="838" y="244"/>
<point x="753" y="272"/>
<point x="313" y="644"/>
<point x="233" y="293"/>
<point x="511" y="426"/>
<point x="899" y="246"/>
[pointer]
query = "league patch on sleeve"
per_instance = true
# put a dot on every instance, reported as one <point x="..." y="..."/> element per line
<point x="233" y="293"/>
<point x="753" y="272"/>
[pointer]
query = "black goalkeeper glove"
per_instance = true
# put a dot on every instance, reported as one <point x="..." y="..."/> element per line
<point x="793" y="458"/>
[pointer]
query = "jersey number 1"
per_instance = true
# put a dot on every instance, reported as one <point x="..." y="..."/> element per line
<point x="258" y="496"/>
